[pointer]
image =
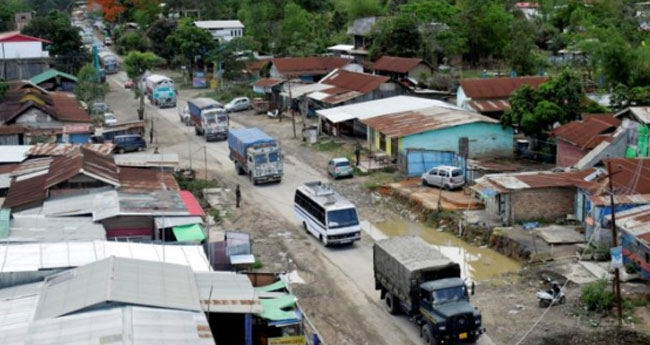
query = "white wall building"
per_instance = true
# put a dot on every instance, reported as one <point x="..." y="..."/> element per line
<point x="22" y="56"/>
<point x="222" y="30"/>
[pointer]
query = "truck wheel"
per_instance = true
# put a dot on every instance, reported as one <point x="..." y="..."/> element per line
<point x="392" y="304"/>
<point x="323" y="240"/>
<point x="196" y="131"/>
<point x="427" y="335"/>
<point x="544" y="303"/>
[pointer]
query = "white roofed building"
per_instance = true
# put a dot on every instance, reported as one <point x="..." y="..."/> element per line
<point x="222" y="30"/>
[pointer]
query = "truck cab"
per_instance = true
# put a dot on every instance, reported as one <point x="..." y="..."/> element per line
<point x="215" y="123"/>
<point x="445" y="312"/>
<point x="264" y="163"/>
<point x="164" y="96"/>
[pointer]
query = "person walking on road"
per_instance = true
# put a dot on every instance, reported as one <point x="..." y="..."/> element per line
<point x="357" y="152"/>
<point x="237" y="196"/>
<point x="151" y="136"/>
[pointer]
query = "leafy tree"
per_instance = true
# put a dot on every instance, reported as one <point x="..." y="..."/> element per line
<point x="189" y="43"/>
<point x="132" y="40"/>
<point x="521" y="52"/>
<point x="624" y="97"/>
<point x="6" y="18"/>
<point x="89" y="86"/>
<point x="66" y="47"/>
<point x="364" y="8"/>
<point x="486" y="25"/>
<point x="565" y="90"/>
<point x="397" y="36"/>
<point x="299" y="31"/>
<point x="145" y="12"/>
<point x="135" y="65"/>
<point x="263" y="22"/>
<point x="112" y="9"/>
<point x="225" y="56"/>
<point x="157" y="35"/>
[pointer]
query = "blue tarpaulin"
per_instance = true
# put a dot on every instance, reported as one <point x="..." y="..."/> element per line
<point x="241" y="139"/>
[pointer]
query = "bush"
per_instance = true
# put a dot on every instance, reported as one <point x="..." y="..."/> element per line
<point x="597" y="296"/>
<point x="216" y="215"/>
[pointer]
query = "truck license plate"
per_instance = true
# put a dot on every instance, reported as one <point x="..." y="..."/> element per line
<point x="462" y="336"/>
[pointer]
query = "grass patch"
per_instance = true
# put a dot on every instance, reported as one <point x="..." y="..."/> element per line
<point x="194" y="185"/>
<point x="327" y="146"/>
<point x="597" y="296"/>
<point x="215" y="214"/>
<point x="378" y="179"/>
<point x="227" y="92"/>
<point x="257" y="264"/>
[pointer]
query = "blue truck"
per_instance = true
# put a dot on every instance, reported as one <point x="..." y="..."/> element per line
<point x="256" y="154"/>
<point x="208" y="118"/>
<point x="160" y="90"/>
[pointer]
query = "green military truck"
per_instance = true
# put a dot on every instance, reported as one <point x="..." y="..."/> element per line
<point x="418" y="280"/>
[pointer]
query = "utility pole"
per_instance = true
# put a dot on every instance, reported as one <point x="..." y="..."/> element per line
<point x="617" y="282"/>
<point x="293" y="114"/>
<point x="205" y="161"/>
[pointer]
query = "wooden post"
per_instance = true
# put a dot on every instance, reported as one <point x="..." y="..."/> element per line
<point x="617" y="282"/>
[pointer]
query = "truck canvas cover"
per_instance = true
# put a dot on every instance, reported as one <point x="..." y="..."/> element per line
<point x="241" y="139"/>
<point x="405" y="261"/>
<point x="205" y="103"/>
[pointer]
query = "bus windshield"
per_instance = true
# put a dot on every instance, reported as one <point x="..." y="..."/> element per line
<point x="342" y="218"/>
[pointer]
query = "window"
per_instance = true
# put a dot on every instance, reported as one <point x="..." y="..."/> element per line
<point x="343" y="164"/>
<point x="274" y="157"/>
<point x="647" y="257"/>
<point x="456" y="172"/>
<point x="260" y="159"/>
<point x="451" y="294"/>
<point x="310" y="206"/>
<point x="342" y="218"/>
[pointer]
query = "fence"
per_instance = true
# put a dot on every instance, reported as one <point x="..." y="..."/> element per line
<point x="415" y="162"/>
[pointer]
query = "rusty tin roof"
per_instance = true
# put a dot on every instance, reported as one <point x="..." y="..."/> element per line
<point x="490" y="88"/>
<point x="588" y="133"/>
<point x="53" y="149"/>
<point x="396" y="64"/>
<point x="146" y="178"/>
<point x="313" y="65"/>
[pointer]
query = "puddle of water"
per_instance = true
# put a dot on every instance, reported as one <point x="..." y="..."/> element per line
<point x="476" y="263"/>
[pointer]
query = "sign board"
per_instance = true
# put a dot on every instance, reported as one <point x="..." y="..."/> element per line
<point x="76" y="128"/>
<point x="199" y="80"/>
<point x="617" y="256"/>
<point x="293" y="340"/>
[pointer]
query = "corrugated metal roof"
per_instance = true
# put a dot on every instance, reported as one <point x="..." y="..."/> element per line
<point x="396" y="64"/>
<point x="42" y="229"/>
<point x="227" y="292"/>
<point x="31" y="166"/>
<point x="81" y="204"/>
<point x="632" y="175"/>
<point x="13" y="153"/>
<point x="379" y="107"/>
<point x="151" y="203"/>
<point x="219" y="24"/>
<point x="191" y="203"/>
<point x="123" y="325"/>
<point x="170" y="222"/>
<point x="146" y="178"/>
<point x="268" y="82"/>
<point x="489" y="106"/>
<point x="49" y="74"/>
<point x="588" y="133"/>
<point x="118" y="280"/>
<point x="489" y="88"/>
<point x="298" y="90"/>
<point x="629" y="199"/>
<point x="147" y="160"/>
<point x="641" y="114"/>
<point x="17" y="307"/>
<point x="314" y="65"/>
<point x="68" y="108"/>
<point x="353" y="81"/>
<point x="423" y="120"/>
<point x="83" y="161"/>
<point x="53" y="149"/>
<point x="541" y="179"/>
<point x="635" y="221"/>
<point x="49" y="256"/>
<point x="16" y="36"/>
<point x="26" y="192"/>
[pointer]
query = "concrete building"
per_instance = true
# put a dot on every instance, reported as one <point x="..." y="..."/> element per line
<point x="22" y="56"/>
<point x="222" y="30"/>
<point x="634" y="228"/>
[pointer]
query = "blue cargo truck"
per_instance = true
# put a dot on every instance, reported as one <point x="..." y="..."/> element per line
<point x="208" y="118"/>
<point x="255" y="154"/>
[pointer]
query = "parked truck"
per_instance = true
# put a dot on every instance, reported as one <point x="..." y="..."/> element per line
<point x="255" y="154"/>
<point x="108" y="62"/>
<point x="418" y="280"/>
<point x="160" y="90"/>
<point x="208" y="118"/>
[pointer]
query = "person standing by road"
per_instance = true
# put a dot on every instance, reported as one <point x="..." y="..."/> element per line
<point x="357" y="152"/>
<point x="237" y="196"/>
<point x="151" y="136"/>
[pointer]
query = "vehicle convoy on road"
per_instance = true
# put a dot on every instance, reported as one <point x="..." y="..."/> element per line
<point x="256" y="154"/>
<point x="326" y="214"/>
<point x="208" y="118"/>
<point x="418" y="280"/>
<point x="160" y="90"/>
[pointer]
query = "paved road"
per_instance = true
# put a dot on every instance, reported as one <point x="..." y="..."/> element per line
<point x="353" y="265"/>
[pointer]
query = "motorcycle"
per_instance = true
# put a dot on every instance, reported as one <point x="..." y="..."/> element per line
<point x="552" y="296"/>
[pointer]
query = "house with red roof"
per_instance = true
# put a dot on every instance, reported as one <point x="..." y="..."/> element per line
<point x="489" y="96"/>
<point x="309" y="69"/>
<point x="22" y="56"/>
<point x="411" y="70"/>
<point x="577" y="138"/>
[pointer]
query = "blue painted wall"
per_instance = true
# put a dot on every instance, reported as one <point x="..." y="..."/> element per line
<point x="486" y="140"/>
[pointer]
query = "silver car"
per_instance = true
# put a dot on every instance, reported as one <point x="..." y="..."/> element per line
<point x="340" y="167"/>
<point x="239" y="104"/>
<point x="444" y="176"/>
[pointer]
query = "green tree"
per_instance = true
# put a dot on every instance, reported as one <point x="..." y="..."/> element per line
<point x="157" y="35"/>
<point x="189" y="43"/>
<point x="225" y="56"/>
<point x="66" y="47"/>
<point x="132" y="41"/>
<point x="624" y="97"/>
<point x="3" y="87"/>
<point x="397" y="36"/>
<point x="364" y="8"/>
<point x="521" y="52"/>
<point x="300" y="29"/>
<point x="263" y="19"/>
<point x="486" y="25"/>
<point x="565" y="90"/>
<point x="89" y="86"/>
<point x="135" y="65"/>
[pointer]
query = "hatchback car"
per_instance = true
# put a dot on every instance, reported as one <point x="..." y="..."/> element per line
<point x="444" y="176"/>
<point x="129" y="143"/>
<point x="239" y="104"/>
<point x="340" y="167"/>
<point x="110" y="119"/>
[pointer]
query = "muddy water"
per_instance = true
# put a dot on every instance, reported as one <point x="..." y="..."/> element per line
<point x="476" y="263"/>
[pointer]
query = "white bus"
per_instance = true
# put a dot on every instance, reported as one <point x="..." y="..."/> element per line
<point x="326" y="214"/>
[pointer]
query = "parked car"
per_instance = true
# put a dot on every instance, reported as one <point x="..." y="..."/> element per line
<point x="99" y="109"/>
<point x="129" y="142"/>
<point x="108" y="41"/>
<point x="129" y="84"/>
<point x="444" y="176"/>
<point x="184" y="114"/>
<point x="340" y="167"/>
<point x="239" y="104"/>
<point x="110" y="119"/>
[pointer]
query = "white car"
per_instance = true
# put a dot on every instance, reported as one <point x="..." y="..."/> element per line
<point x="239" y="104"/>
<point x="108" y="41"/>
<point x="110" y="119"/>
<point x="444" y="176"/>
